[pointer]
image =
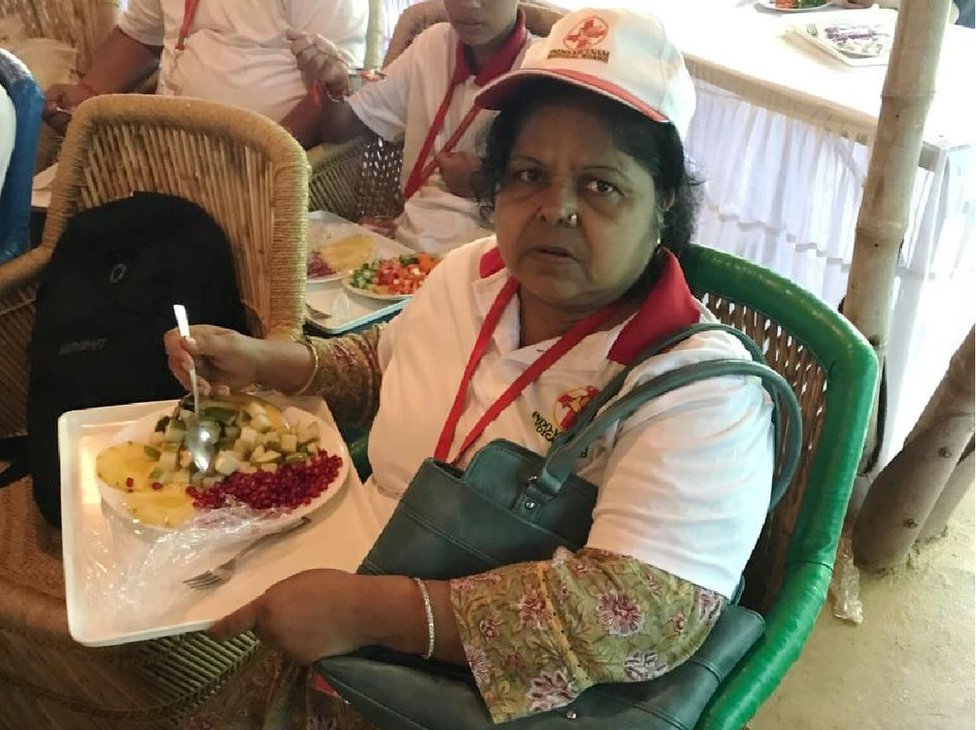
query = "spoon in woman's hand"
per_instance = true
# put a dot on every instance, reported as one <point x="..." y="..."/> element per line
<point x="199" y="441"/>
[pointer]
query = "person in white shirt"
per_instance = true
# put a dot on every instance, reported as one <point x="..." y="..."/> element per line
<point x="426" y="101"/>
<point x="592" y="202"/>
<point x="232" y="51"/>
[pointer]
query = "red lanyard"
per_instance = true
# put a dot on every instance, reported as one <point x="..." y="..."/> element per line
<point x="421" y="172"/>
<point x="559" y="348"/>
<point x="189" y="13"/>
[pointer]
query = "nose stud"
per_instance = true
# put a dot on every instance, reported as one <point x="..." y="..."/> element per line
<point x="569" y="221"/>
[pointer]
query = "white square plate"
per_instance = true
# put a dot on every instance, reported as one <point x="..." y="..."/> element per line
<point x="347" y="311"/>
<point x="340" y="535"/>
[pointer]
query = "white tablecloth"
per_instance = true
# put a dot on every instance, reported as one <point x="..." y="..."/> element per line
<point x="782" y="137"/>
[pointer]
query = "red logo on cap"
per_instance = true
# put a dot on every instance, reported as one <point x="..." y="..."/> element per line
<point x="587" y="33"/>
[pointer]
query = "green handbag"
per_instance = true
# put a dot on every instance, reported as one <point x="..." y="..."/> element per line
<point x="528" y="505"/>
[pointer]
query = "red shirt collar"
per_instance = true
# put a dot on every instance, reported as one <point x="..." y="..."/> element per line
<point x="669" y="307"/>
<point x="498" y="64"/>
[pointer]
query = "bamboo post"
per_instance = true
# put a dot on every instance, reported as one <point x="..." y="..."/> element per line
<point x="903" y="496"/>
<point x="883" y="218"/>
<point x="960" y="481"/>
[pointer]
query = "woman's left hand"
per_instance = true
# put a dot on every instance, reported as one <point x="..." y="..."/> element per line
<point x="309" y="615"/>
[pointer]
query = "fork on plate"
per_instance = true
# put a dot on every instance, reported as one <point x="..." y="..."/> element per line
<point x="225" y="571"/>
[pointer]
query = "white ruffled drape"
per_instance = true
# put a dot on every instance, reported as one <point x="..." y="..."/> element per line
<point x="785" y="193"/>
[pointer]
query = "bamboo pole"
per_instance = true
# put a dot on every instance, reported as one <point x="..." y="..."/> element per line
<point x="960" y="481"/>
<point x="902" y="499"/>
<point x="883" y="217"/>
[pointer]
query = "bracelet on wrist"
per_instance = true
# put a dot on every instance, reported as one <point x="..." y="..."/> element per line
<point x="316" y="364"/>
<point x="429" y="613"/>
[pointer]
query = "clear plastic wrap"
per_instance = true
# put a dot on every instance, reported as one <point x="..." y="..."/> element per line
<point x="140" y="571"/>
<point x="845" y="585"/>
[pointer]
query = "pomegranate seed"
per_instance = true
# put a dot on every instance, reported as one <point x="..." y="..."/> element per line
<point x="129" y="482"/>
<point x="292" y="485"/>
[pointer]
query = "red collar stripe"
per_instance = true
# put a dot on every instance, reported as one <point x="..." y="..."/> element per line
<point x="669" y="307"/>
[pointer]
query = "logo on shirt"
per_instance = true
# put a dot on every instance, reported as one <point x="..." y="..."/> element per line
<point x="566" y="409"/>
<point x="580" y="42"/>
<point x="569" y="404"/>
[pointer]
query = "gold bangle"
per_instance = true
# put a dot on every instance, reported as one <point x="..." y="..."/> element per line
<point x="316" y="363"/>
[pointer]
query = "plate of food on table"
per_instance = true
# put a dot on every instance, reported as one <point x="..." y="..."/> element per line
<point x="392" y="279"/>
<point x="331" y="256"/>
<point x="286" y="462"/>
<point x="855" y="44"/>
<point x="793" y="6"/>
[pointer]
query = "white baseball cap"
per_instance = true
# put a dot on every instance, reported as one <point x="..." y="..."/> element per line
<point x="622" y="54"/>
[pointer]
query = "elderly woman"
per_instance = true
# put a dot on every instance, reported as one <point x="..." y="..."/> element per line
<point x="591" y="201"/>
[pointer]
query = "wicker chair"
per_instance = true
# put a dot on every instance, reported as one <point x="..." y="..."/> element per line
<point x="252" y="177"/>
<point x="362" y="176"/>
<point x="246" y="171"/>
<point x="82" y="24"/>
<point x="833" y="371"/>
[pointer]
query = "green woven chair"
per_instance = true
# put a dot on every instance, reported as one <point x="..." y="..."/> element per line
<point x="833" y="371"/>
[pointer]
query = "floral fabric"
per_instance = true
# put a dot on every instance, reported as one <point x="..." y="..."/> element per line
<point x="349" y="376"/>
<point x="537" y="634"/>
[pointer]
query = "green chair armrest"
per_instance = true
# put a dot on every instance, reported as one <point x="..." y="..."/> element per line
<point x="788" y="625"/>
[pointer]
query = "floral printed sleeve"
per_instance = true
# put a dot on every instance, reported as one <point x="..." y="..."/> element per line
<point x="349" y="376"/>
<point x="537" y="634"/>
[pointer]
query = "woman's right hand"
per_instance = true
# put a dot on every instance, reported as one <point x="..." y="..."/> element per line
<point x="225" y="360"/>
<point x="60" y="101"/>
<point x="319" y="59"/>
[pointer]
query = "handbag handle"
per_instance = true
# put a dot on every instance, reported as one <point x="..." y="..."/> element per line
<point x="559" y="462"/>
<point x="614" y="385"/>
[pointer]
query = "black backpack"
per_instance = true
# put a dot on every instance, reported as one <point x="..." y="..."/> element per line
<point x="105" y="300"/>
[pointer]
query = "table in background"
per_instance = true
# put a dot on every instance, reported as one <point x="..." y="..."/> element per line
<point x="782" y="135"/>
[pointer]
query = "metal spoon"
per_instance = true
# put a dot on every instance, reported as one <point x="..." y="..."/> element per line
<point x="198" y="441"/>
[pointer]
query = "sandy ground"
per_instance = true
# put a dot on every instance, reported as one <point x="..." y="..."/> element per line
<point x="909" y="666"/>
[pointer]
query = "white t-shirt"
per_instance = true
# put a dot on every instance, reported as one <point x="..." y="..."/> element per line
<point x="236" y="51"/>
<point x="402" y="108"/>
<point x="684" y="482"/>
<point x="8" y="133"/>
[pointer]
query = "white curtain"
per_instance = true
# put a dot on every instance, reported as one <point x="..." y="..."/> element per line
<point x="785" y="193"/>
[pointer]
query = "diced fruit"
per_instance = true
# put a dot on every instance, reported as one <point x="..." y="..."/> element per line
<point x="241" y="449"/>
<point x="168" y="460"/>
<point x="223" y="415"/>
<point x="268" y="456"/>
<point x="232" y="432"/>
<point x="261" y="422"/>
<point x="257" y="453"/>
<point x="227" y="462"/>
<point x="156" y="438"/>
<point x="174" y="432"/>
<point x="289" y="443"/>
<point x="185" y="459"/>
<point x="308" y="432"/>
<point x="312" y="447"/>
<point x="255" y="409"/>
<point x="249" y="437"/>
<point x="269" y="467"/>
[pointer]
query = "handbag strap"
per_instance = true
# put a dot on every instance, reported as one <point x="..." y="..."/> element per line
<point x="613" y="386"/>
<point x="559" y="462"/>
